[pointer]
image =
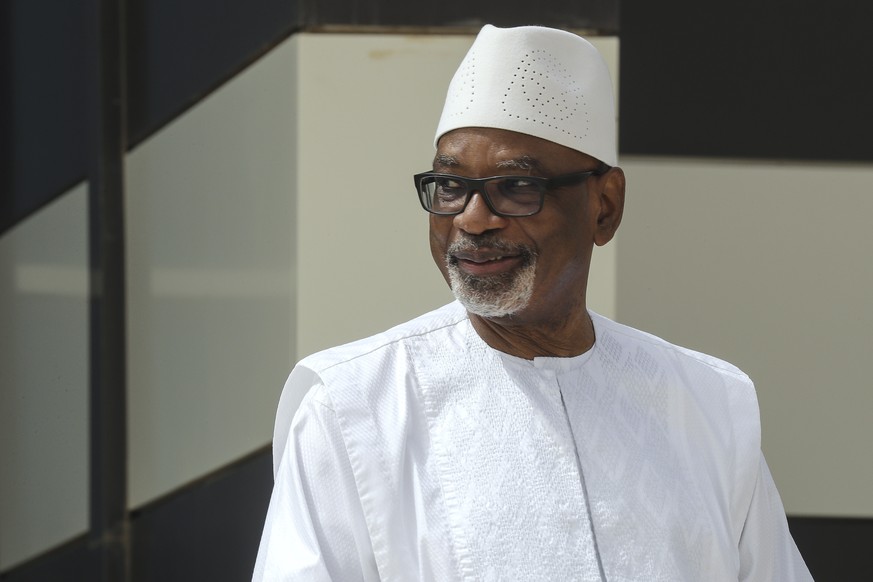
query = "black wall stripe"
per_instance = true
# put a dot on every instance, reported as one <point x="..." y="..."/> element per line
<point x="835" y="548"/>
<point x="601" y="15"/>
<point x="108" y="536"/>
<point x="44" y="102"/>
<point x="210" y="531"/>
<point x="72" y="562"/>
<point x="747" y="79"/>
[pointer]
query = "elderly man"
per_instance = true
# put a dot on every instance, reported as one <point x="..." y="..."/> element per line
<point x="513" y="434"/>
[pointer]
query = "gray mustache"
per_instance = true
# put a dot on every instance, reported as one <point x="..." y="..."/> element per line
<point x="467" y="243"/>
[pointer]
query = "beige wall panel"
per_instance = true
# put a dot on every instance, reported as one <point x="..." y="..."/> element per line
<point x="44" y="379"/>
<point x="368" y="109"/>
<point x="210" y="218"/>
<point x="769" y="267"/>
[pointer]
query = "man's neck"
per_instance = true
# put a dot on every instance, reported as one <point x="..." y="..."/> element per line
<point x="571" y="336"/>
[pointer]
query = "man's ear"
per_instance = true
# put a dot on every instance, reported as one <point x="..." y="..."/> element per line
<point x="610" y="192"/>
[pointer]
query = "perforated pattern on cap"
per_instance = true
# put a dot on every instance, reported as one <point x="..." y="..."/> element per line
<point x="554" y="97"/>
<point x="464" y="83"/>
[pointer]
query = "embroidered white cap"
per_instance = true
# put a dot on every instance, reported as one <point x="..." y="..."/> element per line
<point x="540" y="81"/>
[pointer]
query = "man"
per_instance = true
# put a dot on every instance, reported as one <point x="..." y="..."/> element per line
<point x="514" y="435"/>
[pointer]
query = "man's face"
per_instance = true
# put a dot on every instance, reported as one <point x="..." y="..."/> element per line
<point x="532" y="269"/>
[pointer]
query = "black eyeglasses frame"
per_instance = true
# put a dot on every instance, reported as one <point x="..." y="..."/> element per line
<point x="478" y="185"/>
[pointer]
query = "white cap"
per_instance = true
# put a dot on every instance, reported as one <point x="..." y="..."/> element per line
<point x="540" y="81"/>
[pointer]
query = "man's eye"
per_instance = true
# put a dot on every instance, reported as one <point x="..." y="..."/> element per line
<point x="448" y="188"/>
<point x="448" y="184"/>
<point x="520" y="186"/>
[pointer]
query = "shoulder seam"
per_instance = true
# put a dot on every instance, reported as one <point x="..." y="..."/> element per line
<point x="386" y="343"/>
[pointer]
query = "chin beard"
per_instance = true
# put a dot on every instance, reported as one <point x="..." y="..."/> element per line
<point x="496" y="296"/>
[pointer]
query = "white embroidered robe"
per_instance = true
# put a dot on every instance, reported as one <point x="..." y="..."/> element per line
<point x="421" y="454"/>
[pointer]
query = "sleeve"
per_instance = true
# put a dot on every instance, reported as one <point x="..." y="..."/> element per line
<point x="315" y="528"/>
<point x="767" y="550"/>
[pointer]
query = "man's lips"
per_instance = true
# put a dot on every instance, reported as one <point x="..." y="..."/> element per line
<point x="486" y="263"/>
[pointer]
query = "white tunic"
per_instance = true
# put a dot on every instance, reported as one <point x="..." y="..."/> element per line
<point x="423" y="454"/>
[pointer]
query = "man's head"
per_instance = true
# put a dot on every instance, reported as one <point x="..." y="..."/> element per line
<point x="525" y="102"/>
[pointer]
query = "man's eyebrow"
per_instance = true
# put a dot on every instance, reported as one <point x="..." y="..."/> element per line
<point x="527" y="163"/>
<point x="445" y="161"/>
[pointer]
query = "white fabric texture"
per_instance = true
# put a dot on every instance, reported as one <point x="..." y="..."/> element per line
<point x="423" y="454"/>
<point x="540" y="81"/>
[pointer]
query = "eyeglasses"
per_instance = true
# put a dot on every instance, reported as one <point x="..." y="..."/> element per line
<point x="509" y="196"/>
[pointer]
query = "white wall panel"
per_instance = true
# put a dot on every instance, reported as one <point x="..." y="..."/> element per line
<point x="210" y="220"/>
<point x="44" y="379"/>
<point x="768" y="266"/>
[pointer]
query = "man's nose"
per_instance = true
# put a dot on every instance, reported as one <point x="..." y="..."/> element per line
<point x="477" y="217"/>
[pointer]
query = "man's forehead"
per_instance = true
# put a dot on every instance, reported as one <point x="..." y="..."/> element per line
<point x="500" y="148"/>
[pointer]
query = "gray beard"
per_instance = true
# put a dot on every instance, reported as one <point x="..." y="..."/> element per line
<point x="496" y="296"/>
